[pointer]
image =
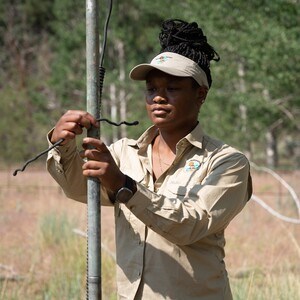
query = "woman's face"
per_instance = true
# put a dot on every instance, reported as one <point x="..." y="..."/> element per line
<point x="173" y="102"/>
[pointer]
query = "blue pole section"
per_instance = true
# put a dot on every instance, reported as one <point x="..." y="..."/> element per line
<point x="93" y="185"/>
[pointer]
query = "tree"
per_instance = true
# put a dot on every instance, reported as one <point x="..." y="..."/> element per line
<point x="255" y="90"/>
<point x="255" y="85"/>
<point x="22" y="75"/>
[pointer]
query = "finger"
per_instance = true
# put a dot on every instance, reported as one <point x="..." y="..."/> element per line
<point x="91" y="173"/>
<point x="71" y="124"/>
<point x="85" y="119"/>
<point x="95" y="143"/>
<point x="72" y="127"/>
<point x="95" y="165"/>
<point x="94" y="168"/>
<point x="93" y="154"/>
<point x="66" y="131"/>
<point x="82" y="118"/>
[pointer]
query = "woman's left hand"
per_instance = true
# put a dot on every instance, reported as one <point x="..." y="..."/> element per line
<point x="101" y="164"/>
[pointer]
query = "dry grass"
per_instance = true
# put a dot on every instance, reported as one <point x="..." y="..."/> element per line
<point x="40" y="257"/>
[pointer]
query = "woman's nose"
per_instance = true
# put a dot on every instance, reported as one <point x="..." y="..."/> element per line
<point x="159" y="98"/>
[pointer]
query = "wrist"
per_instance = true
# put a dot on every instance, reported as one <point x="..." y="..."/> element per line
<point x="124" y="194"/>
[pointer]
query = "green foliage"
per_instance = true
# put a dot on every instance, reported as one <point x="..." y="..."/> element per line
<point x="257" y="286"/>
<point x="42" y="60"/>
<point x="56" y="229"/>
<point x="68" y="265"/>
<point x="20" y="112"/>
<point x="68" y="280"/>
<point x="68" y="65"/>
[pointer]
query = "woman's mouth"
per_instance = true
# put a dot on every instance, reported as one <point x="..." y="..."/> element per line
<point x="158" y="110"/>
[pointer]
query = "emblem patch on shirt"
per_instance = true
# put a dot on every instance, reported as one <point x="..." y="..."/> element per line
<point x="192" y="165"/>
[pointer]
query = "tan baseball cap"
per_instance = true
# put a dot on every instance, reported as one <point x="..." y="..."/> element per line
<point x="173" y="64"/>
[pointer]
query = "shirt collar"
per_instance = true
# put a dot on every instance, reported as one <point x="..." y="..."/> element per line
<point x="195" y="137"/>
<point x="147" y="137"/>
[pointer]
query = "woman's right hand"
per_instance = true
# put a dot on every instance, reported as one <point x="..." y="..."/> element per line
<point x="72" y="124"/>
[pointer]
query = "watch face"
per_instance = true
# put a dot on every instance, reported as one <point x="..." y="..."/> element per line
<point x="123" y="195"/>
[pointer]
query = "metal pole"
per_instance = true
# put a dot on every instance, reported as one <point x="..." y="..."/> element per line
<point x="93" y="185"/>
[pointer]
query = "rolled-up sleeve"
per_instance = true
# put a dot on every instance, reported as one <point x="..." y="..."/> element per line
<point x="65" y="165"/>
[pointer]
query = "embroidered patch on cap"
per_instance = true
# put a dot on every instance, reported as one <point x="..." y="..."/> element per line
<point x="161" y="59"/>
<point x="192" y="165"/>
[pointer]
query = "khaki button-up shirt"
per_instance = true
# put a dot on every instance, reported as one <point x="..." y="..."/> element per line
<point x="170" y="235"/>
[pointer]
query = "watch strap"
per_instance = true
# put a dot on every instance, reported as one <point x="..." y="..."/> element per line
<point x="130" y="186"/>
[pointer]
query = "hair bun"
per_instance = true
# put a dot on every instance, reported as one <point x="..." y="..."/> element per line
<point x="175" y="32"/>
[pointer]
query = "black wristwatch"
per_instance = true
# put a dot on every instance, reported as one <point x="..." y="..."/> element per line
<point x="126" y="192"/>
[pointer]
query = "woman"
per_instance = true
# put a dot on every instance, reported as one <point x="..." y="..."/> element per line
<point x="175" y="189"/>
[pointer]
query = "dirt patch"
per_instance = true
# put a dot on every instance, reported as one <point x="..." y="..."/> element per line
<point x="24" y="200"/>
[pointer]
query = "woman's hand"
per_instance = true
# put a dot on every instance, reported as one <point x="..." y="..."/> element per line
<point x="72" y="124"/>
<point x="101" y="164"/>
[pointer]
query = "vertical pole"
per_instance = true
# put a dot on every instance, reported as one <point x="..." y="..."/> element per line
<point x="93" y="185"/>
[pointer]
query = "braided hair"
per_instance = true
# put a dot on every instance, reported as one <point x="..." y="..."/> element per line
<point x="187" y="39"/>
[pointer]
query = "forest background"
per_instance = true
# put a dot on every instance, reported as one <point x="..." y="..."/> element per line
<point x="253" y="104"/>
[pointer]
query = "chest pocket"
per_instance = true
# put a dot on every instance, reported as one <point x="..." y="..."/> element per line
<point x="184" y="181"/>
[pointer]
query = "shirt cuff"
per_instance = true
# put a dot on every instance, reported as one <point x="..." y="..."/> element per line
<point x="59" y="152"/>
<point x="140" y="202"/>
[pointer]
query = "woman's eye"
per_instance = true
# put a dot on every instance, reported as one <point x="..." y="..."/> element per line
<point x="150" y="90"/>
<point x="172" y="88"/>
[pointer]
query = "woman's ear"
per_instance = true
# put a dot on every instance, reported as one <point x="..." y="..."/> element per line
<point x="202" y="93"/>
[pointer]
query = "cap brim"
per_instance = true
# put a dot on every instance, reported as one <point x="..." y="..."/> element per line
<point x="141" y="71"/>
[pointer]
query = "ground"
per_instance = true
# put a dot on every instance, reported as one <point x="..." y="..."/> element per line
<point x="256" y="240"/>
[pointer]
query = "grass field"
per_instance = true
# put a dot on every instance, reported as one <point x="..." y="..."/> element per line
<point x="41" y="257"/>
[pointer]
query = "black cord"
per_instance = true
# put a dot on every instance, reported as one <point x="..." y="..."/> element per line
<point x="61" y="140"/>
<point x="120" y="123"/>
<point x="38" y="156"/>
<point x="105" y="32"/>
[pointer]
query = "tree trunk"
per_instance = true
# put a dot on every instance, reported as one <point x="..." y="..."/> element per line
<point x="271" y="138"/>
<point x="113" y="110"/>
<point x="122" y="92"/>
<point x="243" y="112"/>
<point x="271" y="149"/>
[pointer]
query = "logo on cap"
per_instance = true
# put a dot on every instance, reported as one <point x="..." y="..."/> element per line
<point x="161" y="59"/>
